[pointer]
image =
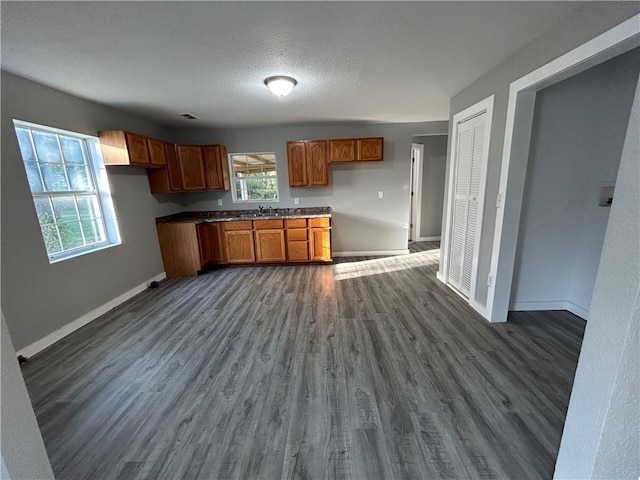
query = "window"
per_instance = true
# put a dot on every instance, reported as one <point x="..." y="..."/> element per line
<point x="70" y="190"/>
<point x="254" y="177"/>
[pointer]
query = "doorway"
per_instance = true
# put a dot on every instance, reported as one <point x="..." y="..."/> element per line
<point x="415" y="208"/>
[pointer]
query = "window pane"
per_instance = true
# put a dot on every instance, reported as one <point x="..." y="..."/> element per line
<point x="54" y="178"/>
<point x="46" y="147"/>
<point x="25" y="145"/>
<point x="87" y="206"/>
<point x="78" y="177"/>
<point x="43" y="210"/>
<point x="93" y="231"/>
<point x="33" y="175"/>
<point x="72" y="150"/>
<point x="51" y="240"/>
<point x="71" y="235"/>
<point x="262" y="189"/>
<point x="64" y="209"/>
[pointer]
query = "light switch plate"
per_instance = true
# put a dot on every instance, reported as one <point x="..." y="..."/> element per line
<point x="380" y="194"/>
<point x="296" y="200"/>
<point x="219" y="201"/>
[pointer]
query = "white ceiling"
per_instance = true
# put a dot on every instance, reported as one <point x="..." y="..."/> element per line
<point x="376" y="61"/>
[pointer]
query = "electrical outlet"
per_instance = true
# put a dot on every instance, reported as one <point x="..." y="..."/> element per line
<point x="219" y="201"/>
<point x="296" y="201"/>
<point x="381" y="194"/>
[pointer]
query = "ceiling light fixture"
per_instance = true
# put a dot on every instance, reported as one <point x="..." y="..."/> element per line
<point x="280" y="85"/>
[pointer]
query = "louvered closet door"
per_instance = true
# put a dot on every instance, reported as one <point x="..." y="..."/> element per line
<point x="464" y="227"/>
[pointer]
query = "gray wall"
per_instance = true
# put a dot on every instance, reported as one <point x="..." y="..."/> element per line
<point x="433" y="174"/>
<point x="577" y="138"/>
<point x="600" y="438"/>
<point x="585" y="25"/>
<point x="361" y="221"/>
<point x="23" y="452"/>
<point x="37" y="297"/>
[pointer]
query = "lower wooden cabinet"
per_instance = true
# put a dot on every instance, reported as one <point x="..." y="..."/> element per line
<point x="320" y="240"/>
<point x="179" y="248"/>
<point x="210" y="242"/>
<point x="238" y="242"/>
<point x="188" y="248"/>
<point x="270" y="246"/>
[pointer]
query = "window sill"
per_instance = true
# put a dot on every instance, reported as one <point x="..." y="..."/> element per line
<point x="81" y="252"/>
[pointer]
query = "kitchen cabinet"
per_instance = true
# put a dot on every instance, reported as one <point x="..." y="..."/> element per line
<point x="168" y="179"/>
<point x="191" y="167"/>
<point x="216" y="167"/>
<point x="297" y="240"/>
<point x="179" y="248"/>
<point x="356" y="150"/>
<point x="370" y="149"/>
<point x="342" y="150"/>
<point x="307" y="161"/>
<point x="238" y="242"/>
<point x="126" y="148"/>
<point x="269" y="241"/>
<point x="157" y="155"/>
<point x="210" y="243"/>
<point x="320" y="239"/>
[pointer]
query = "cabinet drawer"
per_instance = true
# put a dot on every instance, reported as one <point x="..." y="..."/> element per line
<point x="297" y="234"/>
<point x="296" y="223"/>
<point x="319" y="222"/>
<point x="238" y="225"/>
<point x="266" y="224"/>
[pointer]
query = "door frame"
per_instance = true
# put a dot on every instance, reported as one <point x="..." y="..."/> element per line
<point x="515" y="152"/>
<point x="415" y="187"/>
<point x="484" y="106"/>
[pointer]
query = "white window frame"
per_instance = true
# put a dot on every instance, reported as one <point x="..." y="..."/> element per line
<point x="98" y="174"/>
<point x="234" y="192"/>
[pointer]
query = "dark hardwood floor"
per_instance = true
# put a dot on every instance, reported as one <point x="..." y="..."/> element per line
<point x="369" y="368"/>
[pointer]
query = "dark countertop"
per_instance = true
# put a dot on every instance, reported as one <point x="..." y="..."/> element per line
<point x="229" y="215"/>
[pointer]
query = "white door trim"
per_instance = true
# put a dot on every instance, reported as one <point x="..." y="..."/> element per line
<point x="416" y="185"/>
<point x="515" y="153"/>
<point x="483" y="106"/>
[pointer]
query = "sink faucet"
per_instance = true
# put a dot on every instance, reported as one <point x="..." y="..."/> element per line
<point x="260" y="209"/>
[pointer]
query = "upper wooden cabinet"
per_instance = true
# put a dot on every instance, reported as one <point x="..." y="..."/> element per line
<point x="126" y="148"/>
<point x="216" y="167"/>
<point x="157" y="155"/>
<point x="191" y="167"/>
<point x="307" y="162"/>
<point x="169" y="179"/>
<point x="356" y="150"/>
<point x="342" y="150"/>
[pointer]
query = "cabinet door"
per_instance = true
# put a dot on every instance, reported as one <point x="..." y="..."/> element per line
<point x="342" y="150"/>
<point x="239" y="246"/>
<point x="137" y="148"/>
<point x="297" y="244"/>
<point x="320" y="244"/>
<point x="210" y="243"/>
<point x="157" y="154"/>
<point x="213" y="167"/>
<point x="270" y="246"/>
<point x="173" y="168"/>
<point x="370" y="149"/>
<point x="191" y="167"/>
<point x="297" y="160"/>
<point x="317" y="174"/>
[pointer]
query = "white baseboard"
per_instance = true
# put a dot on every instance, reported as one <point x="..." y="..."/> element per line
<point x="551" y="305"/>
<point x="428" y="239"/>
<point x="59" y="334"/>
<point x="440" y="277"/>
<point x="371" y="253"/>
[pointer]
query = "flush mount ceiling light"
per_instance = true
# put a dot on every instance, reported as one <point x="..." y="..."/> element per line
<point x="280" y="85"/>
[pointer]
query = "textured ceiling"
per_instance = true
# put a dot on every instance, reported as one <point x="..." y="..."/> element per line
<point x="376" y="61"/>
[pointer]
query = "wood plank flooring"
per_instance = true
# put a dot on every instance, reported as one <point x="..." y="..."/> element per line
<point x="369" y="368"/>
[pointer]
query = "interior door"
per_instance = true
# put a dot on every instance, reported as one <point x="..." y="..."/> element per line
<point x="467" y="184"/>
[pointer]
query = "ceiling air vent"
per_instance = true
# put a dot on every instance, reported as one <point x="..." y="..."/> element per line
<point x="189" y="116"/>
